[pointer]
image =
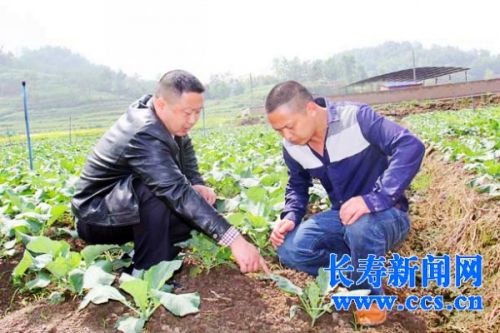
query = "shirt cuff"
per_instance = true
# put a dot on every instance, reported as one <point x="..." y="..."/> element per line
<point x="229" y="236"/>
<point x="377" y="201"/>
<point x="292" y="216"/>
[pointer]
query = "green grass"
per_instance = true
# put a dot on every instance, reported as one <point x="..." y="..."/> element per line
<point x="421" y="182"/>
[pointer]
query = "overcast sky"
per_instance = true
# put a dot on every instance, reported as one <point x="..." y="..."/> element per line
<point x="205" y="37"/>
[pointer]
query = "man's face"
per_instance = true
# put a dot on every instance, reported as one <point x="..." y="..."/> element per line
<point x="296" y="126"/>
<point x="182" y="112"/>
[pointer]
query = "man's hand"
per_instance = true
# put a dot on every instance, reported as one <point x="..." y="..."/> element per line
<point x="247" y="256"/>
<point x="279" y="232"/>
<point x="206" y="192"/>
<point x="352" y="210"/>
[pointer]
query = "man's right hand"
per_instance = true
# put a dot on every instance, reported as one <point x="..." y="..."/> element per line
<point x="247" y="256"/>
<point x="279" y="232"/>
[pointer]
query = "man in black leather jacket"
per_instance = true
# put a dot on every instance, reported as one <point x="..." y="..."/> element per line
<point x="141" y="181"/>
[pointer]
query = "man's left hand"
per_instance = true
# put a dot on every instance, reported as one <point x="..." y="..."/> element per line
<point x="206" y="192"/>
<point x="352" y="210"/>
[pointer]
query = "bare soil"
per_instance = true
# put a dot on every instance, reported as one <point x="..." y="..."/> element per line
<point x="230" y="302"/>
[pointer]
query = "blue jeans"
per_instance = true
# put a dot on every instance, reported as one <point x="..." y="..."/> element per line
<point x="308" y="246"/>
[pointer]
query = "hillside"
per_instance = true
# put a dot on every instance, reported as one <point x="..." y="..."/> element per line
<point x="62" y="84"/>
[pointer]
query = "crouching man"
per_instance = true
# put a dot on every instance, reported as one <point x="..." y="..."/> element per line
<point x="141" y="181"/>
<point x="363" y="160"/>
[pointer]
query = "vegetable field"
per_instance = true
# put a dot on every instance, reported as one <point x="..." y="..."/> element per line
<point x="471" y="137"/>
<point x="51" y="281"/>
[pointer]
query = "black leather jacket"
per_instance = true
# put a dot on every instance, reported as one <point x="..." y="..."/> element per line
<point x="138" y="146"/>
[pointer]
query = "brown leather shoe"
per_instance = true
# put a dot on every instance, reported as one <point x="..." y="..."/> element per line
<point x="371" y="317"/>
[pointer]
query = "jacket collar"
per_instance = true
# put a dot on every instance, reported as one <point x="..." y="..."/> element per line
<point x="330" y="109"/>
<point x="155" y="127"/>
<point x="159" y="124"/>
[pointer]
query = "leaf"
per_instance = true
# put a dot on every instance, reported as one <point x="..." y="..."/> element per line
<point x="58" y="267"/>
<point x="23" y="265"/>
<point x="138" y="289"/>
<point x="9" y="244"/>
<point x="61" y="266"/>
<point x="15" y="199"/>
<point x="23" y="237"/>
<point x="312" y="293"/>
<point x="73" y="259"/>
<point x="157" y="275"/>
<point x="102" y="294"/>
<point x="90" y="252"/>
<point x="236" y="219"/>
<point x="249" y="182"/>
<point x="105" y="265"/>
<point x="42" y="260"/>
<point x="256" y="194"/>
<point x="14" y="225"/>
<point x="42" y="244"/>
<point x="75" y="280"/>
<point x="42" y="280"/>
<point x="70" y="232"/>
<point x="269" y="179"/>
<point x="55" y="213"/>
<point x="286" y="285"/>
<point x="128" y="248"/>
<point x="130" y="324"/>
<point x="258" y="222"/>
<point x="179" y="305"/>
<point x="56" y="297"/>
<point x="323" y="281"/>
<point x="95" y="276"/>
<point x="9" y="253"/>
<point x="126" y="277"/>
<point x="228" y="205"/>
<point x="256" y="208"/>
<point x="120" y="263"/>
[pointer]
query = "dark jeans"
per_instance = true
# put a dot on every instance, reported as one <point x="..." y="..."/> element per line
<point x="154" y="237"/>
<point x="308" y="246"/>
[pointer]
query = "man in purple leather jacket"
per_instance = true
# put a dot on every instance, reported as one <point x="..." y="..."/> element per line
<point x="363" y="160"/>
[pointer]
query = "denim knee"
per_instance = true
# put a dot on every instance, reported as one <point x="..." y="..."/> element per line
<point x="378" y="232"/>
<point x="299" y="258"/>
<point x="364" y="234"/>
<point x="290" y="254"/>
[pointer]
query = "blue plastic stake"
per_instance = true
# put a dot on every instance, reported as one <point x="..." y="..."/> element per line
<point x="27" y="121"/>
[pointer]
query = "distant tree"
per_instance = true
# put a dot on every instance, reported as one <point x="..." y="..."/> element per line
<point x="6" y="58"/>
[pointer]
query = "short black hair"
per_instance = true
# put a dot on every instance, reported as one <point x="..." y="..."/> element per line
<point x="178" y="81"/>
<point x="285" y="92"/>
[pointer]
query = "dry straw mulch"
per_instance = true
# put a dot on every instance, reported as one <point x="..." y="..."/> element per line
<point x="449" y="217"/>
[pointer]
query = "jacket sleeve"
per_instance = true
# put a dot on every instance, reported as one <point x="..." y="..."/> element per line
<point x="190" y="162"/>
<point x="405" y="153"/>
<point x="152" y="160"/>
<point x="297" y="190"/>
